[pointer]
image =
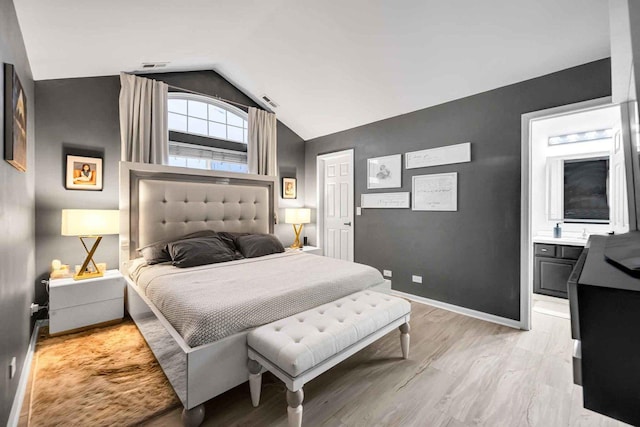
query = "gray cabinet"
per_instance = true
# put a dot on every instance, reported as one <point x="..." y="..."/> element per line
<point x="552" y="267"/>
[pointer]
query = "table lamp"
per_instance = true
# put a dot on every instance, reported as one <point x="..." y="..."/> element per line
<point x="89" y="223"/>
<point x="297" y="217"/>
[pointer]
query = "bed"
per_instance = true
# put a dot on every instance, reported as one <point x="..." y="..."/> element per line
<point x="161" y="203"/>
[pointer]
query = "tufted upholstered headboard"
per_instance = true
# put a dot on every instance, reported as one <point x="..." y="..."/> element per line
<point x="164" y="202"/>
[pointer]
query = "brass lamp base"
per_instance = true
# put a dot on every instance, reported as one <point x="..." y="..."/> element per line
<point x="296" y="243"/>
<point x="88" y="275"/>
<point x="83" y="273"/>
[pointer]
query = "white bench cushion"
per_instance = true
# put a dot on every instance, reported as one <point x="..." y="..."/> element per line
<point x="300" y="342"/>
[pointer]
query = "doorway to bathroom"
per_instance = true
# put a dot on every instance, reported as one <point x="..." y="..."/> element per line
<point x="573" y="185"/>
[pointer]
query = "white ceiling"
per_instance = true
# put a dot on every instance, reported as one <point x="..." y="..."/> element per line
<point x="331" y="65"/>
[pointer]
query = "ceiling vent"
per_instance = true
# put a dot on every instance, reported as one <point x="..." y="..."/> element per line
<point x="153" y="65"/>
<point x="269" y="101"/>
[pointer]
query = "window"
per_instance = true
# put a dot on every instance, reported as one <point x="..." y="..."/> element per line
<point x="586" y="190"/>
<point x="206" y="133"/>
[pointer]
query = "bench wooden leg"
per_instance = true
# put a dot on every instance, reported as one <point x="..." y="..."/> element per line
<point x="404" y="340"/>
<point x="255" y="381"/>
<point x="294" y="411"/>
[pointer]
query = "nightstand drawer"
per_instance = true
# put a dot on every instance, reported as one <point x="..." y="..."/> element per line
<point x="70" y="293"/>
<point x="312" y="250"/>
<point x="66" y="319"/>
<point x="306" y="249"/>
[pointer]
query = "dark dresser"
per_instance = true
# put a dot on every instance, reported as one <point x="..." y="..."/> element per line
<point x="605" y="324"/>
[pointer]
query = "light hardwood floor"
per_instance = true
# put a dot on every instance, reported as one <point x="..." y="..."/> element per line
<point x="461" y="372"/>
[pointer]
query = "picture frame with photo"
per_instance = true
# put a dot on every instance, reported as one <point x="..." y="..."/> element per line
<point x="84" y="173"/>
<point x="384" y="172"/>
<point x="289" y="188"/>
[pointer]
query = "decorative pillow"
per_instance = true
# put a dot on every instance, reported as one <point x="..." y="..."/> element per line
<point x="155" y="253"/>
<point x="199" y="251"/>
<point x="256" y="245"/>
<point x="230" y="239"/>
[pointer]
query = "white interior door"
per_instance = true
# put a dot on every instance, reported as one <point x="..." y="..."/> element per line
<point x="337" y="203"/>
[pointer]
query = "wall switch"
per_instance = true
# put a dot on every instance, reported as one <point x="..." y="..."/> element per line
<point x="358" y="210"/>
<point x="416" y="279"/>
<point x="12" y="368"/>
<point x="386" y="273"/>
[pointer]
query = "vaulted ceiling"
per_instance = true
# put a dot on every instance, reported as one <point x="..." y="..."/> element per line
<point x="331" y="65"/>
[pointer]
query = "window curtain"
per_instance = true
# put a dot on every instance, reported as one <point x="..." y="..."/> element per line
<point x="144" y="132"/>
<point x="263" y="145"/>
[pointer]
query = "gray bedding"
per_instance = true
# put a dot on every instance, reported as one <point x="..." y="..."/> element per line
<point x="208" y="303"/>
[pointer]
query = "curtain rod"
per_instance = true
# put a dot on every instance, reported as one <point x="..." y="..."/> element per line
<point x="219" y="98"/>
<point x="210" y="96"/>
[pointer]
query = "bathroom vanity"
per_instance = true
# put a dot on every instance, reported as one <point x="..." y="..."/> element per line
<point x="553" y="262"/>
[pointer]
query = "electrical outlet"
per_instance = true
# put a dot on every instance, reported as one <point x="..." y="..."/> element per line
<point x="416" y="279"/>
<point x="358" y="210"/>
<point x="12" y="368"/>
<point x="386" y="273"/>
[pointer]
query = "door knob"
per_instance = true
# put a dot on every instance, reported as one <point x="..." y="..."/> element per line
<point x="348" y="223"/>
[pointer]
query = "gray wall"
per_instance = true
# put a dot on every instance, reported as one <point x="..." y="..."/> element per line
<point x="80" y="116"/>
<point x="469" y="258"/>
<point x="16" y="222"/>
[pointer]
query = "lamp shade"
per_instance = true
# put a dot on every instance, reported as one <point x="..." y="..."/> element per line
<point x="297" y="216"/>
<point x="90" y="222"/>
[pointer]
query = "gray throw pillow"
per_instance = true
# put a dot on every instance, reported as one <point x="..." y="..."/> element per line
<point x="199" y="251"/>
<point x="256" y="245"/>
<point x="229" y="238"/>
<point x="156" y="253"/>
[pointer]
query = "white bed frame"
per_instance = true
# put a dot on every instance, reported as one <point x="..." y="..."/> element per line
<point x="197" y="374"/>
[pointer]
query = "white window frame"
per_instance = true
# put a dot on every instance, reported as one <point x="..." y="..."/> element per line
<point x="217" y="103"/>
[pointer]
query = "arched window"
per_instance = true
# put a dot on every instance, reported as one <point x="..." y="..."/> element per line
<point x="206" y="133"/>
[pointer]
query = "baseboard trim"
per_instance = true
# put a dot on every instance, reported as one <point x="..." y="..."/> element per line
<point x="14" y="415"/>
<point x="461" y="310"/>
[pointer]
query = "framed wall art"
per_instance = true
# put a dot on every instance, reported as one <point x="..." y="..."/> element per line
<point x="384" y="172"/>
<point x="84" y="173"/>
<point x="15" y="120"/>
<point x="289" y="188"/>
<point x="384" y="200"/>
<point x="436" y="192"/>
<point x="459" y="153"/>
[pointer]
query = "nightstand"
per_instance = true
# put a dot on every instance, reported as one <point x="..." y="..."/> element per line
<point x="307" y="249"/>
<point x="77" y="304"/>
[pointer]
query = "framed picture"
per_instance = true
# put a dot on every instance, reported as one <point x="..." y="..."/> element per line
<point x="447" y="155"/>
<point x="84" y="173"/>
<point x="384" y="172"/>
<point x="15" y="120"/>
<point x="436" y="192"/>
<point x="289" y="190"/>
<point x="384" y="200"/>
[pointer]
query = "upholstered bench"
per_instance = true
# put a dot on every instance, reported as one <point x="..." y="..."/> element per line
<point x="301" y="347"/>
